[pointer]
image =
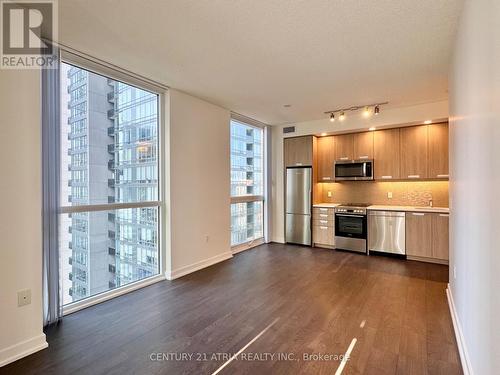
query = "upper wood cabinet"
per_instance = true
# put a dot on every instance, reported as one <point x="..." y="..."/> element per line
<point x="419" y="234"/>
<point x="363" y="145"/>
<point x="440" y="236"/>
<point x="386" y="154"/>
<point x="438" y="151"/>
<point x="344" y="147"/>
<point x="414" y="152"/>
<point x="298" y="151"/>
<point x="326" y="158"/>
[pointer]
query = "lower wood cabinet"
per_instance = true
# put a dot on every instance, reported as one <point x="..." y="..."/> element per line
<point x="427" y="236"/>
<point x="440" y="236"/>
<point x="323" y="228"/>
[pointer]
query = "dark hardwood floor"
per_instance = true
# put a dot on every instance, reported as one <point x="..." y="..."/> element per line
<point x="322" y="300"/>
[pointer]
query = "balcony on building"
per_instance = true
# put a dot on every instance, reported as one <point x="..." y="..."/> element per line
<point x="111" y="148"/>
<point x="111" y="182"/>
<point x="111" y="164"/>
<point x="111" y="131"/>
<point x="111" y="251"/>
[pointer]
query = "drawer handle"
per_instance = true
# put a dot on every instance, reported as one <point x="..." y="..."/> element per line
<point x="418" y="214"/>
<point x="386" y="177"/>
<point x="327" y="178"/>
<point x="298" y="163"/>
<point x="443" y="175"/>
<point x="323" y="227"/>
<point x="323" y="221"/>
<point x="414" y="176"/>
<point x="323" y="215"/>
<point x="363" y="157"/>
<point x="344" y="158"/>
<point x="323" y="209"/>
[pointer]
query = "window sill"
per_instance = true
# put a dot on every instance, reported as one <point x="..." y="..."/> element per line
<point x="105" y="296"/>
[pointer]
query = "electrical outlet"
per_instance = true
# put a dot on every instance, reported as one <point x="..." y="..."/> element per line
<point x="23" y="297"/>
<point x="329" y="194"/>
<point x="389" y="194"/>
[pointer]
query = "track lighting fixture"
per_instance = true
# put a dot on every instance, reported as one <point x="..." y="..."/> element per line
<point x="365" y="108"/>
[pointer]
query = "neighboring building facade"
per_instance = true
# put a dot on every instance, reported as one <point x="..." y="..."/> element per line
<point x="113" y="159"/>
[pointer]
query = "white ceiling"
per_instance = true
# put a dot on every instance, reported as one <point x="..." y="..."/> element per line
<point x="254" y="56"/>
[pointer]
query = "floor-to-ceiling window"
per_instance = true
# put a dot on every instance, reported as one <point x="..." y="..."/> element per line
<point x="109" y="224"/>
<point x="247" y="183"/>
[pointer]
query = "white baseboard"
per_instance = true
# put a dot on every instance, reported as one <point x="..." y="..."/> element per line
<point x="22" y="349"/>
<point x="462" y="348"/>
<point x="181" y="271"/>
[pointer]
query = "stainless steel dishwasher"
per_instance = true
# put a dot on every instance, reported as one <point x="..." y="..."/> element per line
<point x="386" y="232"/>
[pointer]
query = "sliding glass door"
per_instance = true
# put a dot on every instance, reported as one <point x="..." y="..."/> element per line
<point x="109" y="185"/>
<point x="247" y="183"/>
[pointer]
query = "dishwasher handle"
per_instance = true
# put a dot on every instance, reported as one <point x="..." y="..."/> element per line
<point x="387" y="213"/>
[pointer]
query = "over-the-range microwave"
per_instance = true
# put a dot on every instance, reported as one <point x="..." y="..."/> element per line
<point x="353" y="170"/>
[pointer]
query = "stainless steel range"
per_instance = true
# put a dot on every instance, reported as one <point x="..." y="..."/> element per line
<point x="351" y="227"/>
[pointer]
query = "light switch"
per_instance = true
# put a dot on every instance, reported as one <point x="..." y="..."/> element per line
<point x="23" y="297"/>
<point x="389" y="194"/>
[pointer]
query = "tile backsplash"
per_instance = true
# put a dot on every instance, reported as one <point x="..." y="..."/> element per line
<point x="404" y="193"/>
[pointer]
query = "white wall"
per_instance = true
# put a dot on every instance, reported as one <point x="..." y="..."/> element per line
<point x="199" y="183"/>
<point x="353" y="121"/>
<point x="475" y="183"/>
<point x="20" y="218"/>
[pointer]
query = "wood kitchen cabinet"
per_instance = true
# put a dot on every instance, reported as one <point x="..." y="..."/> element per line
<point x="427" y="236"/>
<point x="438" y="151"/>
<point x="326" y="158"/>
<point x="363" y="145"/>
<point x="323" y="227"/>
<point x="440" y="236"/>
<point x="414" y="152"/>
<point x="298" y="151"/>
<point x="344" y="147"/>
<point x="386" y="153"/>
<point x="419" y="234"/>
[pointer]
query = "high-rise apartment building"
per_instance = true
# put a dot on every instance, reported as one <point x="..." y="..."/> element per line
<point x="112" y="159"/>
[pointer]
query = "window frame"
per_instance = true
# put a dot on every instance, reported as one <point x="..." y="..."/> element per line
<point x="258" y="197"/>
<point x="115" y="73"/>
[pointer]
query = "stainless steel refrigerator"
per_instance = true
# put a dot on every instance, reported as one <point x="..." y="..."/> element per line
<point x="298" y="205"/>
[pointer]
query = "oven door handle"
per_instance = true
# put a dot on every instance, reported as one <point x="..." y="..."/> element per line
<point x="344" y="215"/>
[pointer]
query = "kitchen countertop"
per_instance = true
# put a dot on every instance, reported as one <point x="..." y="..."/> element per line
<point x="326" y="205"/>
<point x="377" y="207"/>
<point x="443" y="210"/>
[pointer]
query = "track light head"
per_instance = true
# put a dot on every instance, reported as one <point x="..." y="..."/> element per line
<point x="342" y="116"/>
<point x="376" y="111"/>
<point x="332" y="117"/>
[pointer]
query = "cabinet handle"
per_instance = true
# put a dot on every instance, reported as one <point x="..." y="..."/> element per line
<point x="326" y="178"/>
<point x="414" y="176"/>
<point x="323" y="209"/>
<point x="363" y="157"/>
<point x="298" y="163"/>
<point x="418" y="214"/>
<point x="323" y="215"/>
<point x="323" y="227"/>
<point x="344" y="158"/>
<point x="443" y="175"/>
<point x="323" y="221"/>
<point x="386" y="177"/>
